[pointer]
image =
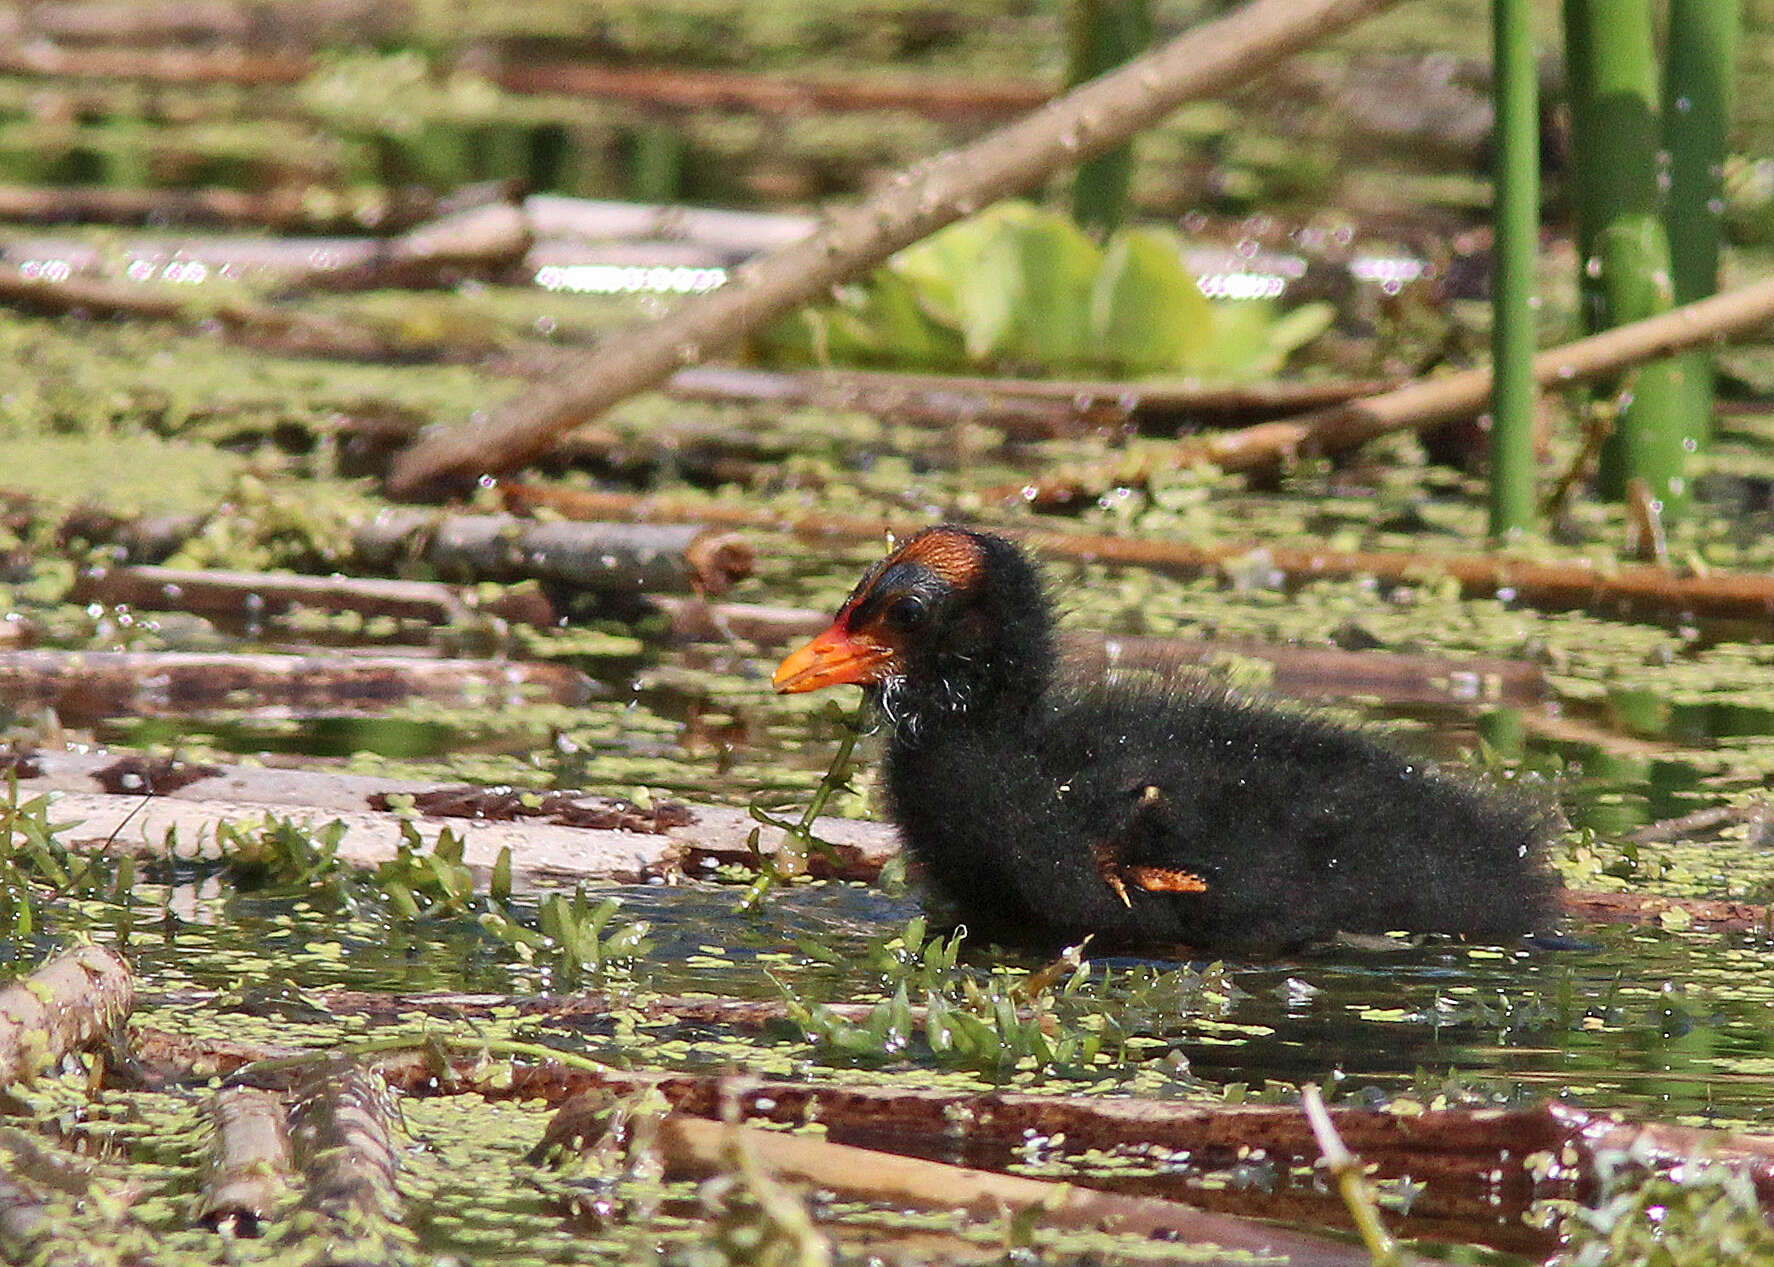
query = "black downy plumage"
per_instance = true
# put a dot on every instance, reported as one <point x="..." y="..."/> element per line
<point x="1043" y="808"/>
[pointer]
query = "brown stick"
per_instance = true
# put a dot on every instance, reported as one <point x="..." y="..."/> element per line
<point x="1085" y="122"/>
<point x="249" y="1161"/>
<point x="1022" y="409"/>
<point x="1430" y="401"/>
<point x="287" y="209"/>
<point x="1575" y="584"/>
<point x="69" y="1004"/>
<point x="696" y="1147"/>
<point x="96" y="684"/>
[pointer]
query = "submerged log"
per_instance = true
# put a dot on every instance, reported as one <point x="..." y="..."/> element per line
<point x="89" y="685"/>
<point x="697" y="1148"/>
<point x="249" y="1162"/>
<point x="620" y="558"/>
<point x="70" y="1004"/>
<point x="339" y="1132"/>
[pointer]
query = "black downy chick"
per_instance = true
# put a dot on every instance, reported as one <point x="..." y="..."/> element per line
<point x="1044" y="809"/>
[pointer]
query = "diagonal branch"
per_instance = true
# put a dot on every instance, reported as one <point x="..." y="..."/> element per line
<point x="1093" y="118"/>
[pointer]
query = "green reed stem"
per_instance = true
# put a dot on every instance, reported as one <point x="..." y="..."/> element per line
<point x="1515" y="214"/>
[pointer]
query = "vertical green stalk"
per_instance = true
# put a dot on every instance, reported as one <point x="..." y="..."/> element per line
<point x="1700" y="66"/>
<point x="1515" y="216"/>
<point x="1105" y="33"/>
<point x="656" y="162"/>
<point x="1609" y="51"/>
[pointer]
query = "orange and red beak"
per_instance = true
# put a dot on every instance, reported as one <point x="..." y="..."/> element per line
<point x="838" y="657"/>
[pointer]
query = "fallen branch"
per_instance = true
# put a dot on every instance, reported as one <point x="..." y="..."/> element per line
<point x="288" y="209"/>
<point x="948" y="98"/>
<point x="249" y="1161"/>
<point x="1572" y="584"/>
<point x="1020" y="408"/>
<point x="694" y="1147"/>
<point x="70" y="1004"/>
<point x="254" y="596"/>
<point x="1083" y="123"/>
<point x="89" y="685"/>
<point x="1425" y="403"/>
<point x="250" y="597"/>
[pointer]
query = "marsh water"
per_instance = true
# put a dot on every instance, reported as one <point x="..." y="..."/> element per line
<point x="1661" y="1021"/>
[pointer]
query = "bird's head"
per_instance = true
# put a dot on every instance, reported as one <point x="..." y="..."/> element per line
<point x="948" y="619"/>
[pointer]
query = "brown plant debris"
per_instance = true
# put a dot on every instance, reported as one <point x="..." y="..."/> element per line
<point x="566" y="809"/>
<point x="151" y="776"/>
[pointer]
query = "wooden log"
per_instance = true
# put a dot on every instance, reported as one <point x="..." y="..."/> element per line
<point x="607" y="557"/>
<point x="249" y="1161"/>
<point x="340" y="1137"/>
<point x="694" y="1147"/>
<point x="70" y="1004"/>
<point x="253" y="596"/>
<point x="89" y="685"/>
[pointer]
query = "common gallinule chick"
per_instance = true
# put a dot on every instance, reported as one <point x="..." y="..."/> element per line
<point x="1044" y="807"/>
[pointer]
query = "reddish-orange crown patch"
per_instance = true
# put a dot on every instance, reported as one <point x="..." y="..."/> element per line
<point x="952" y="555"/>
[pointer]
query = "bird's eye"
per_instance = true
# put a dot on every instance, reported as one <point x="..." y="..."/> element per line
<point x="905" y="612"/>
